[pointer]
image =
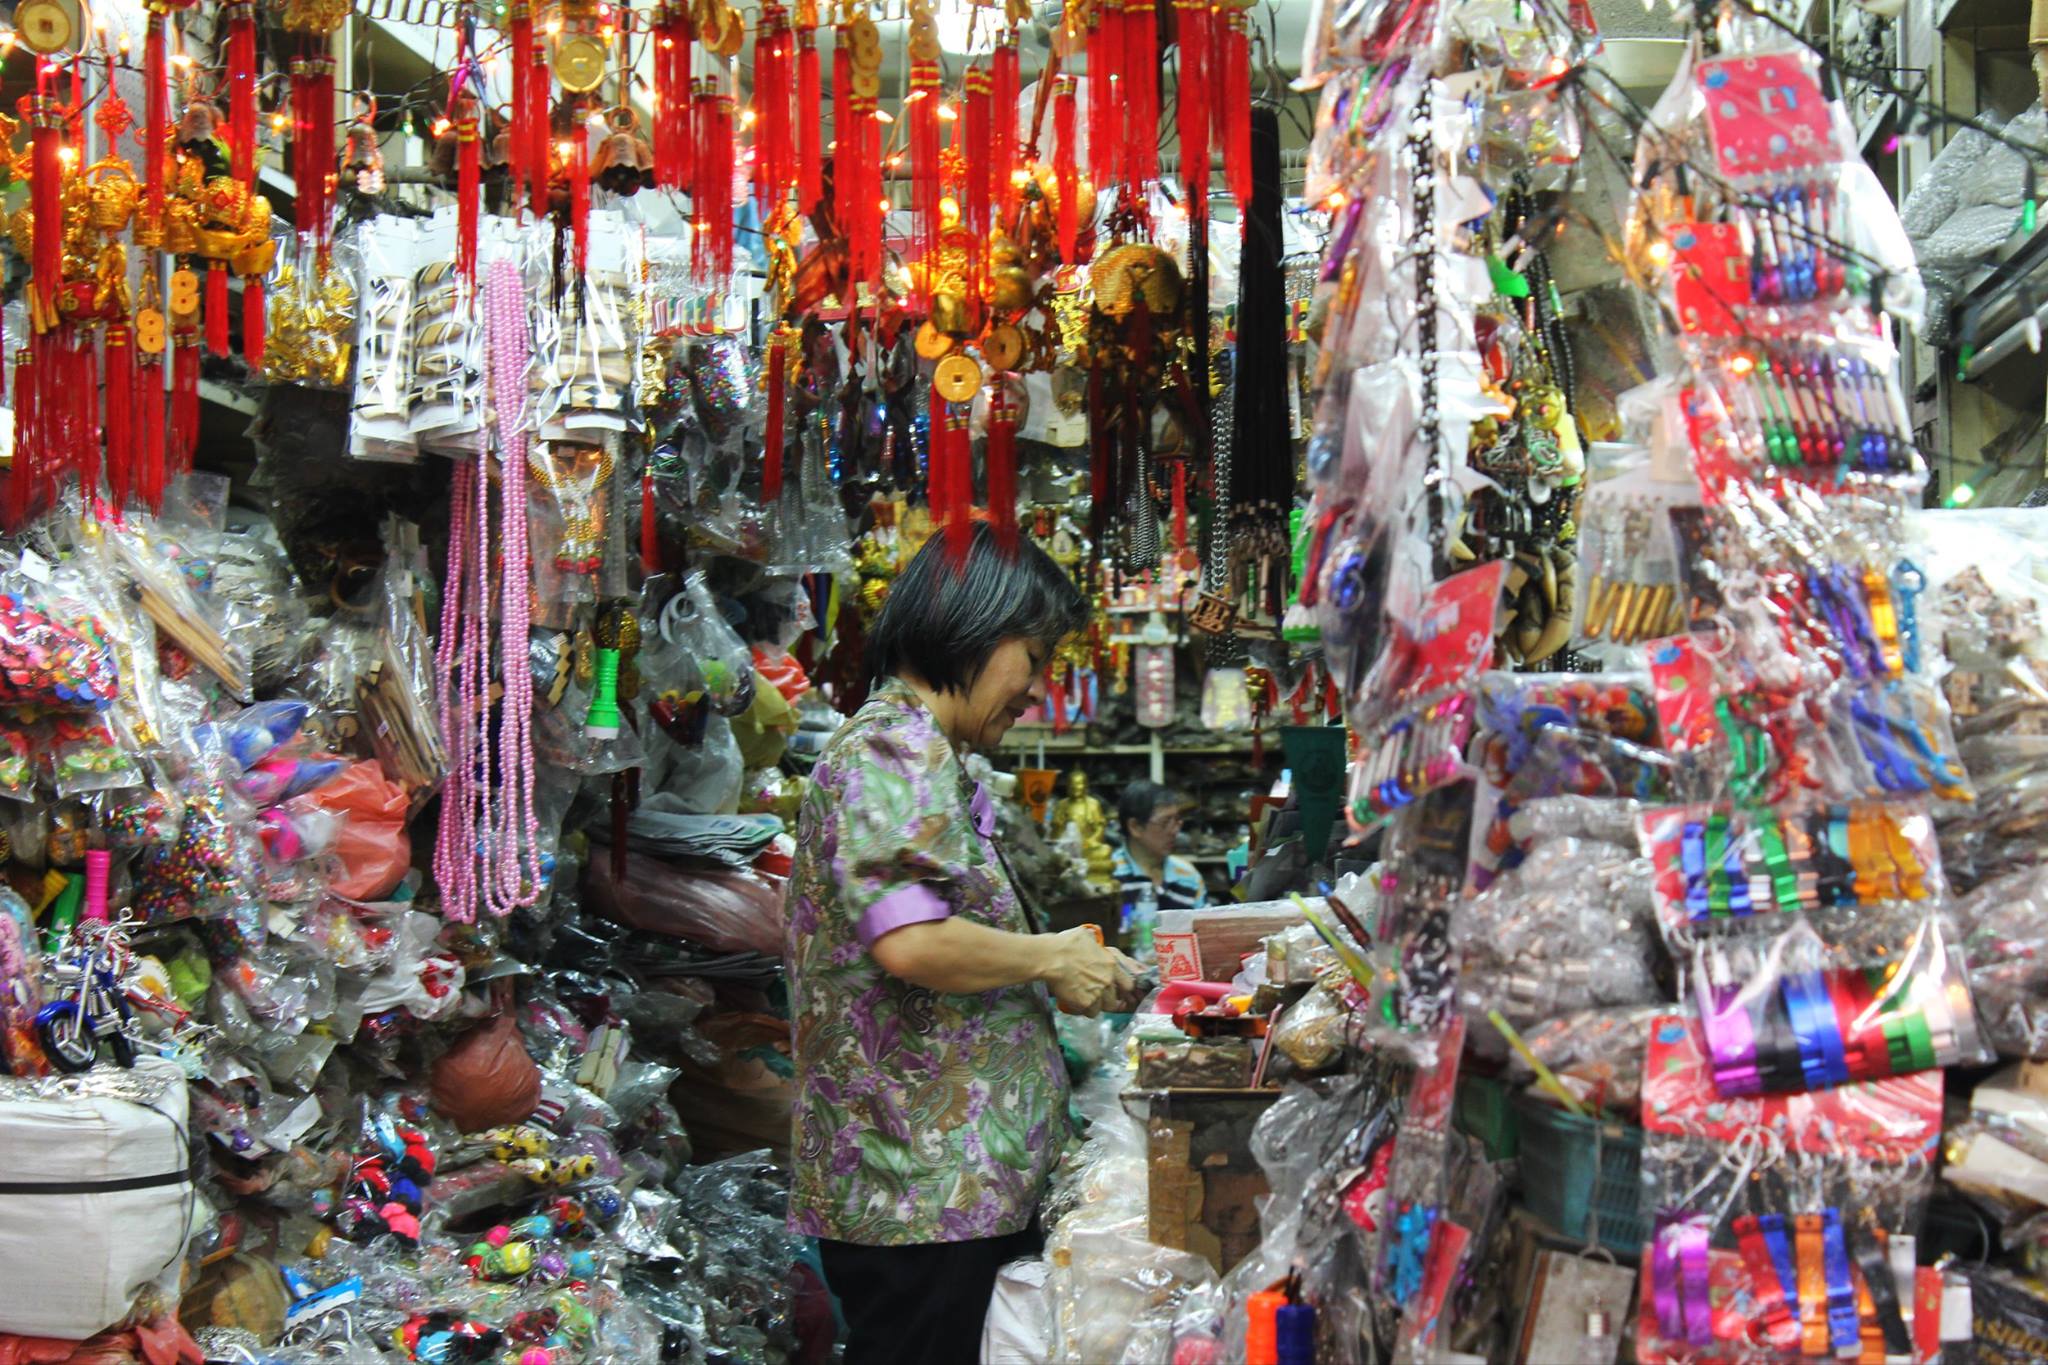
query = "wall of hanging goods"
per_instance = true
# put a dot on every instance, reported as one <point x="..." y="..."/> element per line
<point x="1150" y="680"/>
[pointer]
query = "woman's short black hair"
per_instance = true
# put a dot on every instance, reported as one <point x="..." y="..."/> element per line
<point x="1141" y="801"/>
<point x="943" y="618"/>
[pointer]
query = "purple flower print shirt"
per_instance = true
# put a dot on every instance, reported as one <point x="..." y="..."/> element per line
<point x="919" y="1117"/>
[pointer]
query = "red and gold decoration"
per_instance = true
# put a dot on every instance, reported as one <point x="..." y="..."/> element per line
<point x="311" y="25"/>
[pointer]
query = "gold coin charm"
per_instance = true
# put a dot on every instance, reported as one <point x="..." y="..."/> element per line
<point x="149" y="331"/>
<point x="184" y="293"/>
<point x="579" y="62"/>
<point x="1003" y="347"/>
<point x="957" y="378"/>
<point x="930" y="343"/>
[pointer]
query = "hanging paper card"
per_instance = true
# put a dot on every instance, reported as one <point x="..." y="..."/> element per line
<point x="1684" y="683"/>
<point x="1709" y="277"/>
<point x="1766" y="114"/>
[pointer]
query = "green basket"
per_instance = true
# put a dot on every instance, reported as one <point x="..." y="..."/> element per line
<point x="1481" y="1111"/>
<point x="1582" y="1178"/>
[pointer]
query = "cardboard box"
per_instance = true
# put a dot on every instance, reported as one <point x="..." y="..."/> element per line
<point x="1211" y="945"/>
<point x="1203" y="1185"/>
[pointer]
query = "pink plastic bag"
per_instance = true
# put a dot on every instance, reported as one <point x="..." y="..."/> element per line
<point x="373" y="852"/>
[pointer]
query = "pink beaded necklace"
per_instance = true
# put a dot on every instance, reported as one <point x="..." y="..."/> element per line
<point x="517" y="873"/>
<point x="487" y="853"/>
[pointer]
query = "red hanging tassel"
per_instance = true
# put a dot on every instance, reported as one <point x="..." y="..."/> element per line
<point x="217" y="308"/>
<point x="1234" y="110"/>
<point x="253" y="340"/>
<point x="184" y="405"/>
<point x="711" y="245"/>
<point x="979" y="154"/>
<point x="120" y="412"/>
<point x="846" y="145"/>
<point x="150" y="434"/>
<point x="650" y="528"/>
<point x="926" y="176"/>
<point x="672" y="122"/>
<point x="1064" y="169"/>
<point x="85" y="397"/>
<point x="313" y="144"/>
<point x="1140" y="92"/>
<point x="579" y="190"/>
<point x="771" y="441"/>
<point x="1180" y="505"/>
<point x="874" y="205"/>
<point x="771" y="108"/>
<point x="1192" y="99"/>
<point x="1003" y="94"/>
<point x="241" y="54"/>
<point x="156" y="117"/>
<point x="810" y="123"/>
<point x="468" y="187"/>
<point x="540" y="157"/>
<point x="46" y="203"/>
<point x="1105" y="116"/>
<point x="518" y="141"/>
<point x="1002" y="466"/>
<point x="950" y="480"/>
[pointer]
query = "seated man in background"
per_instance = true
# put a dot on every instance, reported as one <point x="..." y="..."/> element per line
<point x="1148" y="817"/>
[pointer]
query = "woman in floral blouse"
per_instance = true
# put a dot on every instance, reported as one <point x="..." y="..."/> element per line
<point x="931" y="1096"/>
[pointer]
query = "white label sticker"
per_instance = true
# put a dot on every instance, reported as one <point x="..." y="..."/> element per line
<point x="35" y="566"/>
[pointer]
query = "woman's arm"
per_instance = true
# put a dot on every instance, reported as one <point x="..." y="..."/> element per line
<point x="956" y="956"/>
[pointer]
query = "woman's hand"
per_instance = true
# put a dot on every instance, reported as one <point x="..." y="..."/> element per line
<point x="1084" y="976"/>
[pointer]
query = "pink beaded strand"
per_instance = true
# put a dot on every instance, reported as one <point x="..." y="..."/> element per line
<point x="455" y="842"/>
<point x="515" y="880"/>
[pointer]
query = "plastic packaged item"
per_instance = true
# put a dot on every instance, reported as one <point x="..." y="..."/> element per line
<point x="725" y="910"/>
<point x="1786" y="1014"/>
<point x="45" y="663"/>
<point x="373" y="850"/>
<point x="1717" y="866"/>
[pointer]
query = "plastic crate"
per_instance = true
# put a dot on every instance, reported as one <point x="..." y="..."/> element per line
<point x="1481" y="1111"/>
<point x="1582" y="1178"/>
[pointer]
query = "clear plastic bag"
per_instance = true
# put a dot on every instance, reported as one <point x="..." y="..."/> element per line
<point x="1787" y="1014"/>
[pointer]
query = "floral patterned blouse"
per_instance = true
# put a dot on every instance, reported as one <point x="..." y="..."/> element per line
<point x="919" y="1117"/>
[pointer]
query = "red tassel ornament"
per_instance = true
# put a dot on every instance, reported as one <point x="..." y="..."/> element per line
<point x="468" y="186"/>
<point x="1003" y="95"/>
<point x="184" y="406"/>
<point x="120" y="347"/>
<point x="926" y="175"/>
<point x="810" y="123"/>
<point x="313" y="145"/>
<point x="845" y="142"/>
<point x="711" y="243"/>
<point x="1002" y="466"/>
<point x="150" y="434"/>
<point x="1234" y="110"/>
<point x="773" y="78"/>
<point x="577" y="155"/>
<point x="156" y="118"/>
<point x="1194" y="93"/>
<point x="241" y="54"/>
<point x="1065" y="173"/>
<point x="672" y="150"/>
<point x="253" y="320"/>
<point x="46" y="202"/>
<point x="950" y="476"/>
<point x="89" y="441"/>
<point x="540" y="157"/>
<point x="979" y="155"/>
<point x="1105" y="113"/>
<point x="217" y="308"/>
<point x="1140" y="92"/>
<point x="518" y="141"/>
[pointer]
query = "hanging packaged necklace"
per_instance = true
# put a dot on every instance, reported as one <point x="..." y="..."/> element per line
<point x="576" y="476"/>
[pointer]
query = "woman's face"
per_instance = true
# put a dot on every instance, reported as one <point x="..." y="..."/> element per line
<point x="1009" y="684"/>
<point x="1158" y="835"/>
